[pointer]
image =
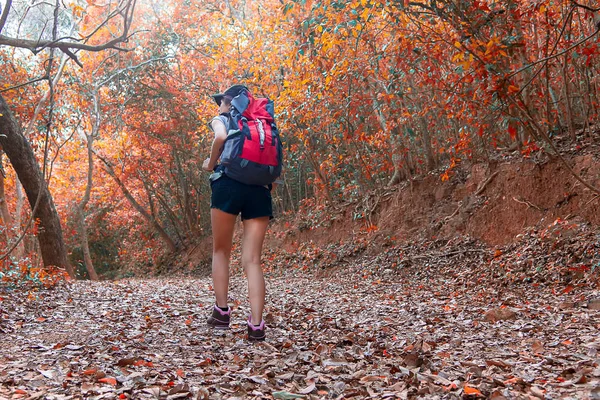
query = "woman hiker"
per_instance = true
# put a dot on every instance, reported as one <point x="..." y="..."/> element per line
<point x="230" y="198"/>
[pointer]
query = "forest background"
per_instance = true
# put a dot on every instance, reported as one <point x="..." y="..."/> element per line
<point x="103" y="109"/>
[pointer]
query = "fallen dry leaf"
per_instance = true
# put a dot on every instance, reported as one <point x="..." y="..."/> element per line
<point x="471" y="391"/>
<point x="308" y="389"/>
<point x="109" y="380"/>
<point x="360" y="340"/>
<point x="500" y="314"/>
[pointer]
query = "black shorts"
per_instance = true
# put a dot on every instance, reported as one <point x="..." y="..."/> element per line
<point x="234" y="197"/>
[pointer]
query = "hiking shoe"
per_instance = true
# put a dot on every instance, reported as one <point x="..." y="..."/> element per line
<point x="256" y="333"/>
<point x="219" y="318"/>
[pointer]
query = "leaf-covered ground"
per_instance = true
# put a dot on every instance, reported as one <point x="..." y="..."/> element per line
<point x="426" y="320"/>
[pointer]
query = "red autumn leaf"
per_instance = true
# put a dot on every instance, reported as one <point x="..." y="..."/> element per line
<point x="109" y="380"/>
<point x="91" y="371"/>
<point x="471" y="391"/>
<point x="512" y="89"/>
<point x="568" y="289"/>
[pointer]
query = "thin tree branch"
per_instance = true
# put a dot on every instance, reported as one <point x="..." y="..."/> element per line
<point x="562" y="31"/>
<point x="73" y="57"/>
<point x="59" y="146"/>
<point x="24" y="84"/>
<point x="36" y="46"/>
<point x="47" y="95"/>
<point x="554" y="55"/>
<point x="67" y="45"/>
<point x="131" y="68"/>
<point x="585" y="7"/>
<point x="5" y="12"/>
<point x="117" y="11"/>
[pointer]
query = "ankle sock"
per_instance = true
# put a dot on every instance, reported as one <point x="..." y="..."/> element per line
<point x="225" y="309"/>
<point x="259" y="326"/>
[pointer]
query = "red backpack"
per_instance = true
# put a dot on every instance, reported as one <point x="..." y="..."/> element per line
<point x="252" y="153"/>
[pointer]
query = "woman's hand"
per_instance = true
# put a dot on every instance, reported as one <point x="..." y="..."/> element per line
<point x="206" y="165"/>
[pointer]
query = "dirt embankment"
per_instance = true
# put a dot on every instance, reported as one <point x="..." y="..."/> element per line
<point x="490" y="202"/>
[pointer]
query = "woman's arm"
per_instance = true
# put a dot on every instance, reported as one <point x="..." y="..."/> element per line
<point x="217" y="146"/>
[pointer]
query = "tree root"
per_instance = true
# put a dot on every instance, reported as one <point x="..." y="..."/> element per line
<point x="528" y="203"/>
<point x="481" y="188"/>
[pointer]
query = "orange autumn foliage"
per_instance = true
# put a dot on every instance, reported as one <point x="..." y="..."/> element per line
<point x="367" y="93"/>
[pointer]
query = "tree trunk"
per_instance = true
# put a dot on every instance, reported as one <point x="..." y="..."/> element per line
<point x="556" y="102"/>
<point x="6" y="217"/>
<point x="394" y="140"/>
<point x="289" y="193"/>
<point x="11" y="228"/>
<point x="177" y="225"/>
<point x="80" y="214"/>
<point x="430" y="160"/>
<point x="83" y="238"/>
<point x="567" y="93"/>
<point x="22" y="158"/>
<point x="587" y="89"/>
<point x="398" y="175"/>
<point x="21" y="248"/>
<point x="189" y="213"/>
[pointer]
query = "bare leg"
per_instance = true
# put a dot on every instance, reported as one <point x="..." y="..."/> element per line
<point x="254" y="235"/>
<point x="223" y="225"/>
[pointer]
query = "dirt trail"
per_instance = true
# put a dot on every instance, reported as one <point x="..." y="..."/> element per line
<point x="406" y="333"/>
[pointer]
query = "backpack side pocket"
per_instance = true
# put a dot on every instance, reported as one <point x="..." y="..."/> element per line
<point x="233" y="146"/>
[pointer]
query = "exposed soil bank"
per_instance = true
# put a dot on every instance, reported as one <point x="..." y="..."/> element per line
<point x="490" y="202"/>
